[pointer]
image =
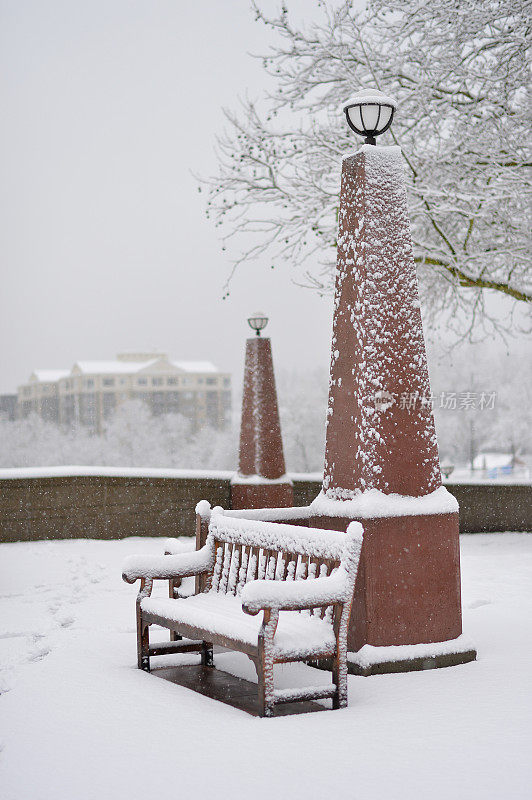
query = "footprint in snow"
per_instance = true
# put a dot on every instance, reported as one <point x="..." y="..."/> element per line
<point x="38" y="653"/>
<point x="65" y="621"/>
<point x="479" y="603"/>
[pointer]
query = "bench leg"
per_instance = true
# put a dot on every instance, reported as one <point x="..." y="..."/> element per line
<point x="339" y="678"/>
<point x="207" y="658"/>
<point x="143" y="645"/>
<point x="264" y="663"/>
<point x="264" y="667"/>
<point x="265" y="681"/>
<point x="173" y="586"/>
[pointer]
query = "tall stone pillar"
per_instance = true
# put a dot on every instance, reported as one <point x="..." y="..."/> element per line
<point x="381" y="462"/>
<point x="261" y="480"/>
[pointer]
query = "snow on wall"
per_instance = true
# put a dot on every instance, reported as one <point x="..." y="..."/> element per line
<point x="239" y="479"/>
<point x="15" y="473"/>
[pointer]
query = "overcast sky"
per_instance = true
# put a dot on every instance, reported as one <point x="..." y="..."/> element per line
<point x="107" y="107"/>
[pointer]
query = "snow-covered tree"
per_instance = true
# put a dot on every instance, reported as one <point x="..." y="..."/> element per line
<point x="459" y="71"/>
<point x="303" y="411"/>
<point x="132" y="437"/>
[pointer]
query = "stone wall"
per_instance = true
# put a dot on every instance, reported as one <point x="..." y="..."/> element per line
<point x="113" y="507"/>
<point x="102" y="507"/>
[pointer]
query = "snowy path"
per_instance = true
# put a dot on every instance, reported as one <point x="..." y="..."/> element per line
<point x="78" y="721"/>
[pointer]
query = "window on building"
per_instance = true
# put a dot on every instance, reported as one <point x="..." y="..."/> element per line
<point x="172" y="381"/>
<point x="156" y="381"/>
<point x="212" y="407"/>
<point x="157" y="403"/>
<point x="89" y="383"/>
<point x="211" y="381"/>
<point x="142" y="381"/>
<point x="108" y="381"/>
<point x="109" y="403"/>
<point x="227" y="381"/>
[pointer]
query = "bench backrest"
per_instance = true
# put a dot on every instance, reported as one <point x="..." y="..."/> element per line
<point x="247" y="550"/>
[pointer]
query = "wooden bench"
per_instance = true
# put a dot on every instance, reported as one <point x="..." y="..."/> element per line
<point x="302" y="579"/>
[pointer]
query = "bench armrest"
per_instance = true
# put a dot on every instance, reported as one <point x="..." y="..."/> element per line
<point x="166" y="567"/>
<point x="295" y="595"/>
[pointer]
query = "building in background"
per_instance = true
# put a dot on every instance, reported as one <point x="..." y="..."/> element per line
<point x="89" y="392"/>
<point x="8" y="407"/>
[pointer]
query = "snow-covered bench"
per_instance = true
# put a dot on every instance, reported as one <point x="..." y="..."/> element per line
<point x="301" y="578"/>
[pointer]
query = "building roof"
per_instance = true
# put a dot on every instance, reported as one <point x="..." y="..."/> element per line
<point x="128" y="367"/>
<point x="98" y="367"/>
<point x="122" y="366"/>
<point x="195" y="366"/>
<point x="492" y="460"/>
<point x="49" y="375"/>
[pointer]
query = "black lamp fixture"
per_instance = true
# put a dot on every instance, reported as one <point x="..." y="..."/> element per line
<point x="258" y="321"/>
<point x="369" y="113"/>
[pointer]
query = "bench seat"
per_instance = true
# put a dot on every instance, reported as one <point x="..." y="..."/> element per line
<point x="220" y="617"/>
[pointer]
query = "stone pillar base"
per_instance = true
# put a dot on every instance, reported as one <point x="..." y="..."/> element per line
<point x="407" y="589"/>
<point x="262" y="495"/>
<point x="405" y="658"/>
<point x="410" y="658"/>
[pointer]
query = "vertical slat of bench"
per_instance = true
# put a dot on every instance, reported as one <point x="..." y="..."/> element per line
<point x="323" y="570"/>
<point x="218" y="563"/>
<point x="271" y="565"/>
<point x="243" y="571"/>
<point x="280" y="569"/>
<point x="330" y="564"/>
<point x="252" y="564"/>
<point x="264" y="563"/>
<point x="228" y="551"/>
<point x="261" y="564"/>
<point x="234" y="567"/>
<point x="302" y="570"/>
<point x="292" y="567"/>
<point x="313" y="572"/>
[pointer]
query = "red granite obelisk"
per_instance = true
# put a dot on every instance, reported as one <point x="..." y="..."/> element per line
<point x="261" y="480"/>
<point x="381" y="462"/>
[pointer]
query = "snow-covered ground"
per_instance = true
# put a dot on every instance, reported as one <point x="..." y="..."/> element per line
<point x="78" y="721"/>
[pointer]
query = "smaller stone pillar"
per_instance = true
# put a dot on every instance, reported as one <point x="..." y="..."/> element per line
<point x="261" y="480"/>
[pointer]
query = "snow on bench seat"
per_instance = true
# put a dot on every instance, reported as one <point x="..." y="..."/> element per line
<point x="297" y="635"/>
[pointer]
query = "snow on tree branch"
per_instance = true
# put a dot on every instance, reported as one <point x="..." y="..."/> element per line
<point x="459" y="72"/>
